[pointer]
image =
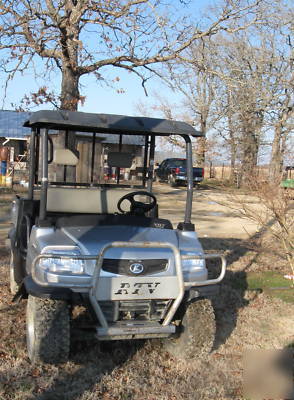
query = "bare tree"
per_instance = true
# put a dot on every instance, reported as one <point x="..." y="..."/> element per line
<point x="226" y="126"/>
<point x="274" y="215"/>
<point x="240" y="86"/>
<point x="197" y="85"/>
<point x="283" y="107"/>
<point x="246" y="97"/>
<point x="282" y="129"/>
<point x="79" y="37"/>
<point x="255" y="94"/>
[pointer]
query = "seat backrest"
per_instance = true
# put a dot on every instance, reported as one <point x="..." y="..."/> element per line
<point x="84" y="200"/>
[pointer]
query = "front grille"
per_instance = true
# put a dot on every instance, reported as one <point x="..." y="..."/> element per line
<point x="122" y="267"/>
<point x="151" y="310"/>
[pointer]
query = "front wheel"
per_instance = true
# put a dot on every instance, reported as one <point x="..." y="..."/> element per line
<point x="48" y="330"/>
<point x="196" y="331"/>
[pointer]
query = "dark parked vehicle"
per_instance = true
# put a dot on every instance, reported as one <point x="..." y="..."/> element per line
<point x="174" y="171"/>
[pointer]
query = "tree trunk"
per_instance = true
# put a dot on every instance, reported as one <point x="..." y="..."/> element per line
<point x="201" y="142"/>
<point x="200" y="152"/>
<point x="276" y="163"/>
<point x="232" y="137"/>
<point x="279" y="142"/>
<point x="68" y="101"/>
<point x="251" y="124"/>
<point x="233" y="151"/>
<point x="70" y="95"/>
<point x="249" y="157"/>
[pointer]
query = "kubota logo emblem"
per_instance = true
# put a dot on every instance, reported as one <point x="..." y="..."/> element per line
<point x="136" y="268"/>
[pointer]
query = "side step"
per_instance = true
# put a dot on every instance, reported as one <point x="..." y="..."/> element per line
<point x="134" y="330"/>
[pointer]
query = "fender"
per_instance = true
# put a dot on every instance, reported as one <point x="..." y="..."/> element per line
<point x="29" y="286"/>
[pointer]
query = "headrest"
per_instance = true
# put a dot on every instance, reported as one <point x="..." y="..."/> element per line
<point x="121" y="160"/>
<point x="65" y="157"/>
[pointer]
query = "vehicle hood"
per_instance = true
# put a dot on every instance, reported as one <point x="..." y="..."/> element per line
<point x="91" y="239"/>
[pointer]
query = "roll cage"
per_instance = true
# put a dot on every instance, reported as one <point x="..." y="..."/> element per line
<point x="72" y="122"/>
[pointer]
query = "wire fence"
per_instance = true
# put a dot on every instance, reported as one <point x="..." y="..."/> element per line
<point x="227" y="173"/>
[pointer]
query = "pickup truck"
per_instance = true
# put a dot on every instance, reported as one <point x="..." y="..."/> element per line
<point x="173" y="170"/>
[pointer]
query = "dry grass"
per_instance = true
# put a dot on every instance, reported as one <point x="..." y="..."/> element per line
<point x="272" y="210"/>
<point x="126" y="370"/>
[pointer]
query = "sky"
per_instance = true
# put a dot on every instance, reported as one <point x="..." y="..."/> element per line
<point x="99" y="98"/>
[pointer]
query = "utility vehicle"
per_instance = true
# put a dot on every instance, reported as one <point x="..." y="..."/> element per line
<point x="101" y="247"/>
<point x="288" y="178"/>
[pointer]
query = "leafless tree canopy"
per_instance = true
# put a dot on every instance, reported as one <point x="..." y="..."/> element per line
<point x="240" y="86"/>
<point x="79" y="37"/>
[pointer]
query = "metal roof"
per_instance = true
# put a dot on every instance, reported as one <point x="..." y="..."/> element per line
<point x="108" y="123"/>
<point x="11" y="124"/>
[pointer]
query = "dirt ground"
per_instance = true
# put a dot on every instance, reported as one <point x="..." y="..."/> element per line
<point x="246" y="320"/>
<point x="211" y="219"/>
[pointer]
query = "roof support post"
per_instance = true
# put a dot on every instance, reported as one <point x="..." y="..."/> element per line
<point x="118" y="168"/>
<point x="93" y="156"/>
<point x="65" y="146"/>
<point x="44" y="176"/>
<point x="151" y="163"/>
<point x="32" y="164"/>
<point x="187" y="225"/>
<point x="145" y="160"/>
<point x="37" y="160"/>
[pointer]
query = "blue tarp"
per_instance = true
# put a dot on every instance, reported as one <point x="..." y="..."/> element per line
<point x="11" y="124"/>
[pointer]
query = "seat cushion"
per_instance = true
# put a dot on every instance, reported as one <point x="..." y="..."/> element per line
<point x="85" y="200"/>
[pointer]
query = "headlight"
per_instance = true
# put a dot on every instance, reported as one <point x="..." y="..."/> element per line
<point x="193" y="270"/>
<point x="196" y="263"/>
<point x="59" y="265"/>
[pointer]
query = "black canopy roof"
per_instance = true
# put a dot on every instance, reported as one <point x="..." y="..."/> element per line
<point x="108" y="123"/>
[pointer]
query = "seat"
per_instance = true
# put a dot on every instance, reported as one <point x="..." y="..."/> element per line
<point x="84" y="200"/>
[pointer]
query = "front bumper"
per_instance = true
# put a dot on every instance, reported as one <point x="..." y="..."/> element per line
<point x="180" y="178"/>
<point x="120" y="289"/>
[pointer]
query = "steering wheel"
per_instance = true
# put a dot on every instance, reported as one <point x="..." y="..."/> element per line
<point x="137" y="207"/>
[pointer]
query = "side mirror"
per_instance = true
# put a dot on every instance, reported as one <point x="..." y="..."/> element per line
<point x="65" y="157"/>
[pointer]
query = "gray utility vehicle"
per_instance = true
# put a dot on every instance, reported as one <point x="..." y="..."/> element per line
<point x="76" y="244"/>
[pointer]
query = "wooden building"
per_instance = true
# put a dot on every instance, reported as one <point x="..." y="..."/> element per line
<point x="16" y="137"/>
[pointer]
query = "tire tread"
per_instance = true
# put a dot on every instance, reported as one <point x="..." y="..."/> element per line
<point x="197" y="331"/>
<point x="51" y="330"/>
